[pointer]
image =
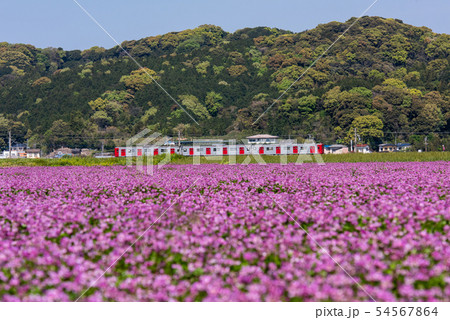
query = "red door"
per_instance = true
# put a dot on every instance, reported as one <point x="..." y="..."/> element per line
<point x="295" y="149"/>
<point x="278" y="150"/>
<point x="261" y="150"/>
<point x="312" y="150"/>
<point x="320" y="148"/>
<point x="123" y="153"/>
<point x="225" y="151"/>
<point x="208" y="150"/>
<point x="155" y="152"/>
<point x="191" y="151"/>
<point x="116" y="152"/>
<point x="139" y="153"/>
<point x="172" y="151"/>
<point x="241" y="150"/>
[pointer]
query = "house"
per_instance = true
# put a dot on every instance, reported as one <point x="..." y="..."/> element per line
<point x="17" y="151"/>
<point x="61" y="152"/>
<point x="20" y="148"/>
<point x="387" y="147"/>
<point x="6" y="154"/>
<point x="362" y="148"/>
<point x="403" y="146"/>
<point x="390" y="147"/>
<point x="336" y="149"/>
<point x="69" y="152"/>
<point x="262" y="139"/>
<point x="33" y="153"/>
<point x="86" y="152"/>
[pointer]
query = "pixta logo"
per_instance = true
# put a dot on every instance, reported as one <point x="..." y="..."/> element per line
<point x="144" y="147"/>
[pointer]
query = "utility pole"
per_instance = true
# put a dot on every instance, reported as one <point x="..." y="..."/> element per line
<point x="103" y="147"/>
<point x="9" y="134"/>
<point x="356" y="142"/>
<point x="426" y="144"/>
<point x="179" y="139"/>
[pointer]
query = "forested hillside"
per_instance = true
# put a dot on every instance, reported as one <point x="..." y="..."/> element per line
<point x="383" y="76"/>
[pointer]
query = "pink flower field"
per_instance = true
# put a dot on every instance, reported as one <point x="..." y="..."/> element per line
<point x="337" y="232"/>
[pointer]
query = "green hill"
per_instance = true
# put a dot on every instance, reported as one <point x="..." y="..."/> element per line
<point x="382" y="76"/>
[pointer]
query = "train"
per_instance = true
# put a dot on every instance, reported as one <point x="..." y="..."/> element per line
<point x="222" y="150"/>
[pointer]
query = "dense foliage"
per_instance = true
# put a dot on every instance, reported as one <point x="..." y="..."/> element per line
<point x="382" y="76"/>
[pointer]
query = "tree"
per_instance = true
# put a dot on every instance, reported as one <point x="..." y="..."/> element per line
<point x="237" y="70"/>
<point x="59" y="135"/>
<point x="41" y="81"/>
<point x="98" y="104"/>
<point x="149" y="114"/>
<point x="202" y="67"/>
<point x="9" y="123"/>
<point x="15" y="58"/>
<point x="397" y="48"/>
<point x="367" y="127"/>
<point x="213" y="102"/>
<point x="193" y="104"/>
<point x="181" y="129"/>
<point x="4" y="127"/>
<point x="396" y="83"/>
<point x="307" y="104"/>
<point x="138" y="79"/>
<point x="102" y="119"/>
<point x="5" y="123"/>
<point x="430" y="118"/>
<point x="246" y="117"/>
<point x="439" y="46"/>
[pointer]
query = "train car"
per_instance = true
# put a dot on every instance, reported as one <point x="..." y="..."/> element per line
<point x="168" y="150"/>
<point x="215" y="150"/>
<point x="123" y="152"/>
<point x="222" y="150"/>
<point x="190" y="151"/>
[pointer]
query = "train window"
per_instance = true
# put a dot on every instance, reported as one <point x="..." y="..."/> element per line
<point x="214" y="149"/>
<point x="198" y="149"/>
<point x="163" y="150"/>
<point x="269" y="149"/>
<point x="289" y="148"/>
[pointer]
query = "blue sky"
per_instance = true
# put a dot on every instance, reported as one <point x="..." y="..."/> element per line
<point x="61" y="23"/>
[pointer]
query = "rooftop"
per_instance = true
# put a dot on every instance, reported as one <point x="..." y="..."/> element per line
<point x="393" y="145"/>
<point x="262" y="136"/>
<point x="336" y="146"/>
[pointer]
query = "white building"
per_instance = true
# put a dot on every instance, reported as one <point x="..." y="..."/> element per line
<point x="33" y="153"/>
<point x="6" y="154"/>
<point x="262" y="139"/>
<point x="336" y="149"/>
<point x="362" y="148"/>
